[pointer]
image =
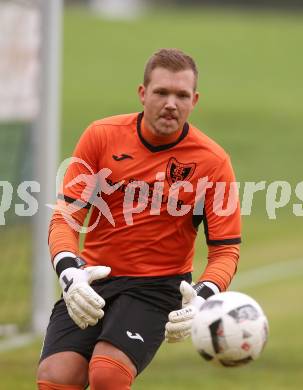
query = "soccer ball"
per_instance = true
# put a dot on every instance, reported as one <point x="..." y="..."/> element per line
<point x="230" y="329"/>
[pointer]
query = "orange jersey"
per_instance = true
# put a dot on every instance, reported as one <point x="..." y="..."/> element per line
<point x="148" y="225"/>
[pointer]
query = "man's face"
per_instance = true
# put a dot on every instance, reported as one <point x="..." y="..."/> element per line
<point x="168" y="100"/>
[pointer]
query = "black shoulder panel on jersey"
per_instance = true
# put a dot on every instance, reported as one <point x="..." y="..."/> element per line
<point x="159" y="148"/>
<point x="77" y="202"/>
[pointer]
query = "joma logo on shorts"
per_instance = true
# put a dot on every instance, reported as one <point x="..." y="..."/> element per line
<point x="134" y="336"/>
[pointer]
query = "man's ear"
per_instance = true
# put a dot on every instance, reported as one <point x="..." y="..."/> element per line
<point x="196" y="98"/>
<point x="141" y="93"/>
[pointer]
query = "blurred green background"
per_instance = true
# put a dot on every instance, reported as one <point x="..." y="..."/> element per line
<point x="251" y="103"/>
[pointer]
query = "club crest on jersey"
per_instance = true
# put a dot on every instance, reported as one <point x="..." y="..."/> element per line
<point x="177" y="171"/>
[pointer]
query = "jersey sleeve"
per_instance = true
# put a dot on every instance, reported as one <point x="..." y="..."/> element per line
<point x="77" y="190"/>
<point x="81" y="178"/>
<point x="222" y="226"/>
<point x="222" y="265"/>
<point x="62" y="237"/>
<point x="221" y="214"/>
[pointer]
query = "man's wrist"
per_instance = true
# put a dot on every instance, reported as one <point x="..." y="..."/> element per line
<point x="64" y="260"/>
<point x="206" y="289"/>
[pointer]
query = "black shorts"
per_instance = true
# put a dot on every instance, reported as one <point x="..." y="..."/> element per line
<point x="136" y="312"/>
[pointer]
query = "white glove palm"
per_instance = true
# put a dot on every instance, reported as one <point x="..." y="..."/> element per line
<point x="178" y="327"/>
<point x="83" y="304"/>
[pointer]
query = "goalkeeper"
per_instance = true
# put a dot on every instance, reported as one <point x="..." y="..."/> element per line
<point x="143" y="178"/>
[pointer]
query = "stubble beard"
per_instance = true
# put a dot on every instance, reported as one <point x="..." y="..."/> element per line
<point x="162" y="129"/>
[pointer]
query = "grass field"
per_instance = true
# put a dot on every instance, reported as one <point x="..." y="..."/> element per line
<point x="251" y="103"/>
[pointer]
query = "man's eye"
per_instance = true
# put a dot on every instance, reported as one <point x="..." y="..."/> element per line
<point x="161" y="93"/>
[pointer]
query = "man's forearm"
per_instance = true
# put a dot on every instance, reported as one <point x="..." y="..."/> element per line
<point x="62" y="237"/>
<point x="222" y="265"/>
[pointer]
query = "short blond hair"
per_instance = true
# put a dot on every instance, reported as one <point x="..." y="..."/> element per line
<point x="171" y="59"/>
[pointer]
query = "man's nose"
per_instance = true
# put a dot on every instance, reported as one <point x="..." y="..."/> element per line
<point x="170" y="102"/>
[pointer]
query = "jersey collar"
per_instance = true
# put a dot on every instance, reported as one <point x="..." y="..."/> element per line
<point x="159" y="148"/>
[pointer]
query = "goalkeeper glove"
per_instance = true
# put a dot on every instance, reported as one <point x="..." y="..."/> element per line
<point x="83" y="304"/>
<point x="179" y="323"/>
